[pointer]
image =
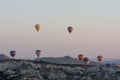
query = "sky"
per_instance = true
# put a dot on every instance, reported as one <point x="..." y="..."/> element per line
<point x="96" y="26"/>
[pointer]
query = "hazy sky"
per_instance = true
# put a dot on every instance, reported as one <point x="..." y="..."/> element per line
<point x="96" y="27"/>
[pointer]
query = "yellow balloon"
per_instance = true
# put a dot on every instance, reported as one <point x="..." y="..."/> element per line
<point x="37" y="27"/>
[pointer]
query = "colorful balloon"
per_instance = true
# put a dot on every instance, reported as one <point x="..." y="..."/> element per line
<point x="80" y="56"/>
<point x="37" y="27"/>
<point x="99" y="58"/>
<point x="38" y="52"/>
<point x="70" y="29"/>
<point x="12" y="53"/>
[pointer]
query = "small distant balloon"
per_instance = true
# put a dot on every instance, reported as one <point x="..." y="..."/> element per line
<point x="12" y="53"/>
<point x="107" y="64"/>
<point x="37" y="27"/>
<point x="99" y="58"/>
<point x="86" y="60"/>
<point x="70" y="29"/>
<point x="38" y="52"/>
<point x="80" y="56"/>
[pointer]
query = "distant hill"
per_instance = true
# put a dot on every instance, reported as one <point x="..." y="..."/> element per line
<point x="109" y="60"/>
<point x="3" y="56"/>
<point x="62" y="60"/>
<point x="113" y="61"/>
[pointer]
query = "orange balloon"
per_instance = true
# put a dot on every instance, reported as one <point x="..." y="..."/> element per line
<point x="37" y="27"/>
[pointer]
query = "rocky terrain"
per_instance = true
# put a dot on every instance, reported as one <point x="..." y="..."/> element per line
<point x="38" y="70"/>
<point x="63" y="60"/>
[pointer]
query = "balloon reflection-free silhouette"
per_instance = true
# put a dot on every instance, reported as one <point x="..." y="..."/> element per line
<point x="86" y="60"/>
<point x="37" y="27"/>
<point x="80" y="56"/>
<point x="38" y="52"/>
<point x="12" y="53"/>
<point x="70" y="29"/>
<point x="99" y="58"/>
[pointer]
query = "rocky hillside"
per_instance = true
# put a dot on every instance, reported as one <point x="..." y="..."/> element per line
<point x="60" y="60"/>
<point x="38" y="70"/>
<point x="63" y="60"/>
<point x="3" y="56"/>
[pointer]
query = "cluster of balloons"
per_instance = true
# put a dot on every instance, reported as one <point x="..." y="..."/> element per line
<point x="38" y="52"/>
<point x="86" y="60"/>
<point x="81" y="57"/>
<point x="69" y="29"/>
<point x="38" y="27"/>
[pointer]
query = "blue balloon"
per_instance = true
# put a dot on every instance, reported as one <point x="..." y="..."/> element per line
<point x="38" y="51"/>
<point x="86" y="60"/>
<point x="107" y="64"/>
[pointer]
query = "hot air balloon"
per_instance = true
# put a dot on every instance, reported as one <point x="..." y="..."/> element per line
<point x="37" y="27"/>
<point x="107" y="64"/>
<point x="70" y="29"/>
<point x="38" y="52"/>
<point x="99" y="58"/>
<point x="12" y="53"/>
<point x="80" y="56"/>
<point x="86" y="60"/>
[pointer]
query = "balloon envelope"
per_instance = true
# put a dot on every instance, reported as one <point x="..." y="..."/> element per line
<point x="99" y="58"/>
<point x="70" y="29"/>
<point x="38" y="52"/>
<point x="107" y="64"/>
<point x="80" y="56"/>
<point x="86" y="60"/>
<point x="37" y="27"/>
<point x="12" y="53"/>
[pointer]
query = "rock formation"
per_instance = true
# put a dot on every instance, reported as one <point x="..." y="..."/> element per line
<point x="38" y="70"/>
